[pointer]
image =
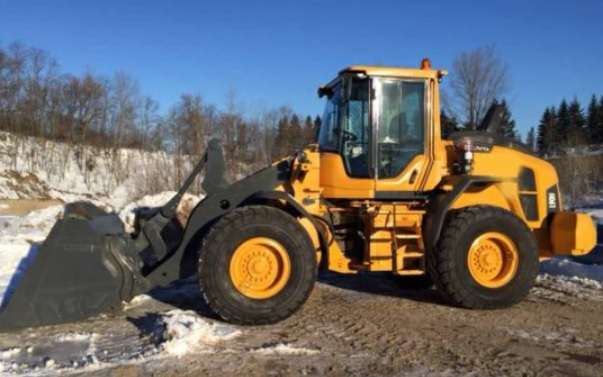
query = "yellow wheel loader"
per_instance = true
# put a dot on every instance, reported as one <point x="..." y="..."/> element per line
<point x="380" y="191"/>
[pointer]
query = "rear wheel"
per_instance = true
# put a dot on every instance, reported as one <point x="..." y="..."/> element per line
<point x="257" y="266"/>
<point x="486" y="258"/>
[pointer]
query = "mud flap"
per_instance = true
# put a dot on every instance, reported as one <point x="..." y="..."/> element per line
<point x="75" y="274"/>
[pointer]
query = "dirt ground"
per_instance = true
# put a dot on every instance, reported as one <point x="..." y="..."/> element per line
<point x="362" y="326"/>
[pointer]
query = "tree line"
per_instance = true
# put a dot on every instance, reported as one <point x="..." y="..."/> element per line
<point x="568" y="125"/>
<point x="37" y="99"/>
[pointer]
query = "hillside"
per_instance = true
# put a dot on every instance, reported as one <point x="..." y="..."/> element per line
<point x="35" y="168"/>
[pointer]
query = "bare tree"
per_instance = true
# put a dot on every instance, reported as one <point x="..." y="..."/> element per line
<point x="124" y="105"/>
<point x="478" y="78"/>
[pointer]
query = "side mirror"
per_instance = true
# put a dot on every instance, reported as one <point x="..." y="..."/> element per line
<point x="325" y="91"/>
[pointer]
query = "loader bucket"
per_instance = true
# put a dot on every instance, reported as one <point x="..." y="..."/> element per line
<point x="76" y="273"/>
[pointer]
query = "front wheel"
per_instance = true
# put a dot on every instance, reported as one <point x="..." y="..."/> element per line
<point x="257" y="266"/>
<point x="486" y="258"/>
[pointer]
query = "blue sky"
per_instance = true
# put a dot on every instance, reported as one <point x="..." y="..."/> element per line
<point x="274" y="53"/>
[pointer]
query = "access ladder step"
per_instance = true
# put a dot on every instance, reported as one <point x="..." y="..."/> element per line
<point x="411" y="272"/>
<point x="412" y="255"/>
<point x="408" y="236"/>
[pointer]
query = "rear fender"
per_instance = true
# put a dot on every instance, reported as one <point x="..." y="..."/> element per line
<point x="442" y="202"/>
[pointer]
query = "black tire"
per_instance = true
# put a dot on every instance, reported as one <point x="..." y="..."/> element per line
<point x="219" y="246"/>
<point x="448" y="262"/>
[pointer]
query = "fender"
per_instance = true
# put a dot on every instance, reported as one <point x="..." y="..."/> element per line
<point x="440" y="204"/>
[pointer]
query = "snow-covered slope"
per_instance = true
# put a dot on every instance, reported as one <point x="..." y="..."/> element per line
<point x="32" y="168"/>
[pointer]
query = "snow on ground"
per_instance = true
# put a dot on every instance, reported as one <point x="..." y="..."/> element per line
<point x="185" y="332"/>
<point x="18" y="238"/>
<point x="178" y="333"/>
<point x="597" y="214"/>
<point x="284" y="349"/>
<point x="567" y="267"/>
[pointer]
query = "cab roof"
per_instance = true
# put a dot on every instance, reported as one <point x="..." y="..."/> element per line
<point x="384" y="71"/>
<point x="375" y="70"/>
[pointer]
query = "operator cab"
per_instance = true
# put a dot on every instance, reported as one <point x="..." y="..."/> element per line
<point x="376" y="123"/>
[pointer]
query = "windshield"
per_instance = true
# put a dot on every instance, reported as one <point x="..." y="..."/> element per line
<point x="346" y="126"/>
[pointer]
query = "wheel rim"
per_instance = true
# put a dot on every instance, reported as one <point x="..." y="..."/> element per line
<point x="493" y="260"/>
<point x="260" y="267"/>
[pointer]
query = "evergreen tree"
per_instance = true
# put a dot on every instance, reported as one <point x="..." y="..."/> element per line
<point x="448" y="124"/>
<point x="592" y="121"/>
<point x="576" y="131"/>
<point x="281" y="141"/>
<point x="599" y="127"/>
<point x="296" y="135"/>
<point x="563" y="124"/>
<point x="531" y="139"/>
<point x="546" y="131"/>
<point x="507" y="124"/>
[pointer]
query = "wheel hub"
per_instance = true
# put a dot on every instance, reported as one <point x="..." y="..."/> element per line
<point x="260" y="268"/>
<point x="493" y="260"/>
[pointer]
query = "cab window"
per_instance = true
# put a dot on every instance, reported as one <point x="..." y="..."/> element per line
<point x="400" y="113"/>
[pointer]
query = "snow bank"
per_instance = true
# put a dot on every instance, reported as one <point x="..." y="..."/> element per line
<point x="186" y="332"/>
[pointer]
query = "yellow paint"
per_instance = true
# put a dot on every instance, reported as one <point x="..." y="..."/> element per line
<point x="573" y="233"/>
<point x="338" y="261"/>
<point x="260" y="268"/>
<point x="337" y="184"/>
<point x="493" y="260"/>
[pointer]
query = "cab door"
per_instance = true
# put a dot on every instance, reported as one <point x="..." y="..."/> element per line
<point x="345" y="141"/>
<point x="402" y="118"/>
